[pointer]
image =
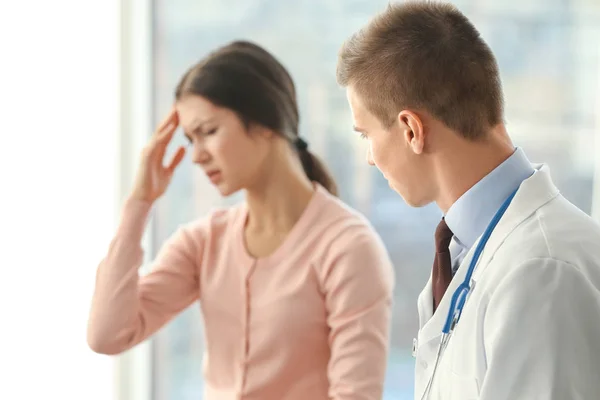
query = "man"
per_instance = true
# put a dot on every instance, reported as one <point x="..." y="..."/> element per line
<point x="425" y="91"/>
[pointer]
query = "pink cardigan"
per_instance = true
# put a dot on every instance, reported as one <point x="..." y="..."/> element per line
<point x="309" y="322"/>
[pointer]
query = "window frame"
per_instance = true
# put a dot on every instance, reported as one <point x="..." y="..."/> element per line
<point x="596" y="180"/>
<point x="133" y="369"/>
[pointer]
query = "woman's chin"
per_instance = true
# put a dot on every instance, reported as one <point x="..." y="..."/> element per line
<point x="225" y="190"/>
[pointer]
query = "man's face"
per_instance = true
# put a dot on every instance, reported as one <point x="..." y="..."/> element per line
<point x="391" y="152"/>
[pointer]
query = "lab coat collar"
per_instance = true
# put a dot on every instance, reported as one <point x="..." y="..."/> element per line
<point x="533" y="193"/>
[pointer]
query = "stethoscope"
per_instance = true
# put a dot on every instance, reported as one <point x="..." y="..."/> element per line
<point x="462" y="291"/>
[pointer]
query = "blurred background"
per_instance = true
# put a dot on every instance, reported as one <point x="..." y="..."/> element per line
<point x="85" y="82"/>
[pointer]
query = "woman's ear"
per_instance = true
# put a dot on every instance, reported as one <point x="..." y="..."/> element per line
<point x="260" y="131"/>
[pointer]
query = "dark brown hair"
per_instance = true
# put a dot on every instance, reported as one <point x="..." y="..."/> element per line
<point x="250" y="81"/>
<point x="429" y="56"/>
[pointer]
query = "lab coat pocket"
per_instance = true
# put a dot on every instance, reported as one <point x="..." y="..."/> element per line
<point x="464" y="387"/>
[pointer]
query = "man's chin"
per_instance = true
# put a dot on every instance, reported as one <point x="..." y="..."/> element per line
<point x="415" y="204"/>
<point x="411" y="201"/>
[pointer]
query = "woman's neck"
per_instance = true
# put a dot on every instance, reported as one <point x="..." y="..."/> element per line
<point x="276" y="203"/>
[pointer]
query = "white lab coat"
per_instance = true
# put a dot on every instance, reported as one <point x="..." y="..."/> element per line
<point x="530" y="328"/>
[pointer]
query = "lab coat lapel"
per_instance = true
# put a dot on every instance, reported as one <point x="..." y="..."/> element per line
<point x="431" y="325"/>
<point x="425" y="304"/>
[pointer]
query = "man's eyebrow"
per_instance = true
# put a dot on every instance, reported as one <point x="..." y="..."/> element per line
<point x="357" y="129"/>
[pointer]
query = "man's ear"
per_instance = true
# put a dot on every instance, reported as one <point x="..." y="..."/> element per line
<point x="411" y="127"/>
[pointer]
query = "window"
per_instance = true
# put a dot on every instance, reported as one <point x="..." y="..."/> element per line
<point x="548" y="56"/>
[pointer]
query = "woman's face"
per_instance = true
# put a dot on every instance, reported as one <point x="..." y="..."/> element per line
<point x="231" y="154"/>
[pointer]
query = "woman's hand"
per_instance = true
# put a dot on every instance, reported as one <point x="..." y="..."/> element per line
<point x="153" y="177"/>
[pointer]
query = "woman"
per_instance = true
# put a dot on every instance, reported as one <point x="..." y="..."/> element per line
<point x="294" y="286"/>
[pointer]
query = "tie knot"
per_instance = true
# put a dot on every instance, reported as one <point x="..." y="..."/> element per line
<point x="443" y="236"/>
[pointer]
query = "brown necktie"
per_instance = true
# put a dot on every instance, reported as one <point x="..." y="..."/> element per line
<point x="442" y="265"/>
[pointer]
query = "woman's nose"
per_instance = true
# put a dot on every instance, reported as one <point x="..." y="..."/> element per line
<point x="199" y="153"/>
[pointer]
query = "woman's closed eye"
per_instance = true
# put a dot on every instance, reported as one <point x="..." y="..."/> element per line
<point x="198" y="133"/>
<point x="201" y="132"/>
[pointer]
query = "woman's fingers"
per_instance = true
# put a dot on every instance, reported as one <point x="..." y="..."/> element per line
<point x="169" y="119"/>
<point x="166" y="134"/>
<point x="176" y="160"/>
<point x="158" y="144"/>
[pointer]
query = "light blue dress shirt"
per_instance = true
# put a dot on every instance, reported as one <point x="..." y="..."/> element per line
<point x="470" y="215"/>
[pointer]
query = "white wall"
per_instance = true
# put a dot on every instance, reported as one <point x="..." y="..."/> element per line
<point x="59" y="121"/>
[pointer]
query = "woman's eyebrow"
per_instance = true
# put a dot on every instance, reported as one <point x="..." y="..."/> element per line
<point x="197" y="124"/>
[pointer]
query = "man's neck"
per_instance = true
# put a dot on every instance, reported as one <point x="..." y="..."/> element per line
<point x="460" y="168"/>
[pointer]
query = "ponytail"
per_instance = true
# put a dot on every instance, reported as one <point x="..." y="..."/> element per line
<point x="316" y="171"/>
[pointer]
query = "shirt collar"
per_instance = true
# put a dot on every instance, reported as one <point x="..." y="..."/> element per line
<point x="472" y="212"/>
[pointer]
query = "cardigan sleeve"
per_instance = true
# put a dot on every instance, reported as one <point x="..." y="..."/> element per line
<point x="358" y="282"/>
<point x="127" y="308"/>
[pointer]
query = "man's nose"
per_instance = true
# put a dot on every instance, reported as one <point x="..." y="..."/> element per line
<point x="370" y="157"/>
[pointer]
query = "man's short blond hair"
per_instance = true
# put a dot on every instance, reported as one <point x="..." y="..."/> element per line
<point x="424" y="55"/>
